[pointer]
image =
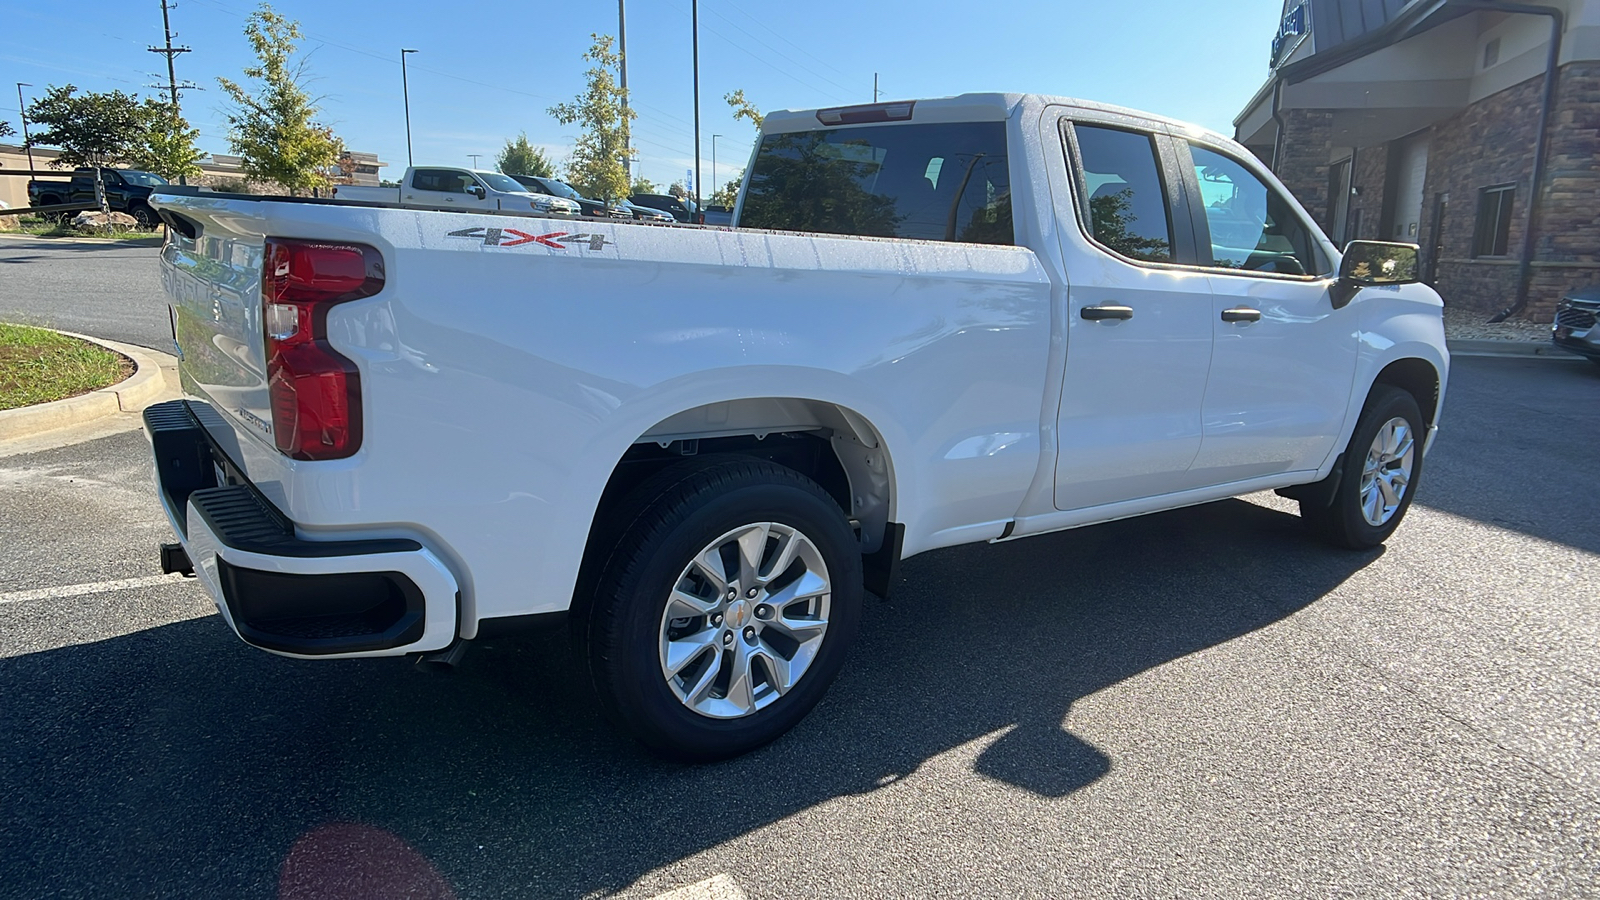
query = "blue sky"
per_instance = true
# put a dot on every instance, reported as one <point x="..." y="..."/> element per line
<point x="487" y="71"/>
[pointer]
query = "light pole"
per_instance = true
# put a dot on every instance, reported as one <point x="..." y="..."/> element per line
<point x="405" y="91"/>
<point x="622" y="51"/>
<point x="474" y="159"/>
<point x="694" y="25"/>
<point x="22" y="108"/>
<point x="714" y="164"/>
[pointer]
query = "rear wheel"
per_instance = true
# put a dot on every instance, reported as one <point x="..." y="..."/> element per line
<point x="144" y="215"/>
<point x="1379" y="476"/>
<point x="726" y="610"/>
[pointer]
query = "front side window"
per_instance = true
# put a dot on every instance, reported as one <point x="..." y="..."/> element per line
<point x="144" y="179"/>
<point x="1493" y="234"/>
<point x="933" y="182"/>
<point x="1253" y="228"/>
<point x="1127" y="204"/>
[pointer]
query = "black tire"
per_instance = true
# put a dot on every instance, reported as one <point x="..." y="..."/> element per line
<point x="144" y="215"/>
<point x="686" y="511"/>
<point x="1342" y="522"/>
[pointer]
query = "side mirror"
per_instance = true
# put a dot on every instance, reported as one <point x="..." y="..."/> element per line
<point x="477" y="190"/>
<point x="1373" y="263"/>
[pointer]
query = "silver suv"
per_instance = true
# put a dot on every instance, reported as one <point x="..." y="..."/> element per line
<point x="1575" y="320"/>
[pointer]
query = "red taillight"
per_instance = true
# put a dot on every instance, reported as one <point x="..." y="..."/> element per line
<point x="316" y="393"/>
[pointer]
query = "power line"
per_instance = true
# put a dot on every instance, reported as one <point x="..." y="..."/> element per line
<point x="779" y="52"/>
<point x="781" y="37"/>
<point x="775" y="68"/>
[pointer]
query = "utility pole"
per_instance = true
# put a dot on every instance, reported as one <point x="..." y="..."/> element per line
<point x="875" y="91"/>
<point x="622" y="51"/>
<point x="474" y="157"/>
<point x="694" y="24"/>
<point x="405" y="91"/>
<point x="23" y="109"/>
<point x="171" y="53"/>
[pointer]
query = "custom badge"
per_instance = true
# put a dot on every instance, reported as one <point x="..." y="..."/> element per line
<point x="511" y="237"/>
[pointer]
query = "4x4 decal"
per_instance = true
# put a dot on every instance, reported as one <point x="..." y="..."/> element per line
<point x="511" y="237"/>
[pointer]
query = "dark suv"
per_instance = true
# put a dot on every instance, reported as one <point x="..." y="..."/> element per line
<point x="682" y="210"/>
<point x="555" y="187"/>
<point x="1575" y="320"/>
<point x="127" y="191"/>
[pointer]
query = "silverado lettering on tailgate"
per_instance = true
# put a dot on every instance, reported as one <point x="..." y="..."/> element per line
<point x="511" y="237"/>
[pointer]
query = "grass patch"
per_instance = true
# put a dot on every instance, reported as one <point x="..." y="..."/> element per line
<point x="37" y="366"/>
<point x="42" y="227"/>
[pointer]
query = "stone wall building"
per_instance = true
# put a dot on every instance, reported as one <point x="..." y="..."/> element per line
<point x="1417" y="121"/>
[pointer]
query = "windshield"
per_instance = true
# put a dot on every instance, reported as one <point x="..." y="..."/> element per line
<point x="501" y="182"/>
<point x="142" y="179"/>
<point x="560" y="188"/>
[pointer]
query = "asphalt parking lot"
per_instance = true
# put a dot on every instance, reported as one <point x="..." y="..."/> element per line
<point x="1198" y="703"/>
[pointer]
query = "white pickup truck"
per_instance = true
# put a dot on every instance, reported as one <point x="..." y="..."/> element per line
<point x="969" y="319"/>
<point x="446" y="187"/>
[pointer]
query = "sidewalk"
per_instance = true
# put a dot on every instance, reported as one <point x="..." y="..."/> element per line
<point x="1469" y="334"/>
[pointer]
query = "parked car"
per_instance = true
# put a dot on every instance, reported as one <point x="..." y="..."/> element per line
<point x="698" y="447"/>
<point x="447" y="186"/>
<point x="558" y="188"/>
<point x="1574" y="329"/>
<point x="680" y="208"/>
<point x="645" y="213"/>
<point x="127" y="191"/>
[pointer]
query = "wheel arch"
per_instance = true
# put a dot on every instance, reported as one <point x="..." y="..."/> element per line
<point x="1417" y="377"/>
<point x="828" y="442"/>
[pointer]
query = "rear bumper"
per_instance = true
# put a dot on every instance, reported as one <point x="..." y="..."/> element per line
<point x="277" y="590"/>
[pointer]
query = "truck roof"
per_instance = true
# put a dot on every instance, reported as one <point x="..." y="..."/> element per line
<point x="976" y="107"/>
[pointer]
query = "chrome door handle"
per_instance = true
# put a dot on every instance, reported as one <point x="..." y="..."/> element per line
<point x="1099" y="313"/>
<point x="1241" y="314"/>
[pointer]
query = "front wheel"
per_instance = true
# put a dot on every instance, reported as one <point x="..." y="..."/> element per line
<point x="726" y="610"/>
<point x="1381" y="469"/>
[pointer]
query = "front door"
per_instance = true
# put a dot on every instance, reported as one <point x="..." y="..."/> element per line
<point x="1139" y="327"/>
<point x="1284" y="359"/>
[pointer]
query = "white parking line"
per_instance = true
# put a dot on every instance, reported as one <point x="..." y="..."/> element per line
<point x="78" y="590"/>
<point x="717" y="887"/>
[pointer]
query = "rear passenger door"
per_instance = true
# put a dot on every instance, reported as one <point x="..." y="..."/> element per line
<point x="1284" y="360"/>
<point x="1139" y="328"/>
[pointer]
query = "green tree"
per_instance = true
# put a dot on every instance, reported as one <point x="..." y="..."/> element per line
<point x="728" y="194"/>
<point x="677" y="189"/>
<point x="5" y="129"/>
<point x="167" y="145"/>
<point x="744" y="109"/>
<point x="642" y="185"/>
<point x="519" y="157"/>
<point x="597" y="167"/>
<point x="273" y="127"/>
<point x="89" y="129"/>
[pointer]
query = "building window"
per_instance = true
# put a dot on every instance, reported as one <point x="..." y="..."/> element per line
<point x="1491" y="53"/>
<point x="1494" y="220"/>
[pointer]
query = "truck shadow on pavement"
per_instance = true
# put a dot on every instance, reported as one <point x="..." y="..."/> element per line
<point x="175" y="761"/>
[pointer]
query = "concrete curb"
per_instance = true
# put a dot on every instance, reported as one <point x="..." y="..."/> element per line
<point x="1512" y="349"/>
<point x="145" y="386"/>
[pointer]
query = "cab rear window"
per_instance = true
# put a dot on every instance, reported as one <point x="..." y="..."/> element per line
<point x="935" y="182"/>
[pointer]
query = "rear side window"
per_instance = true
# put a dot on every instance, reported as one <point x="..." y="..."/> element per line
<point x="440" y="180"/>
<point x="934" y="182"/>
<point x="1128" y="210"/>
